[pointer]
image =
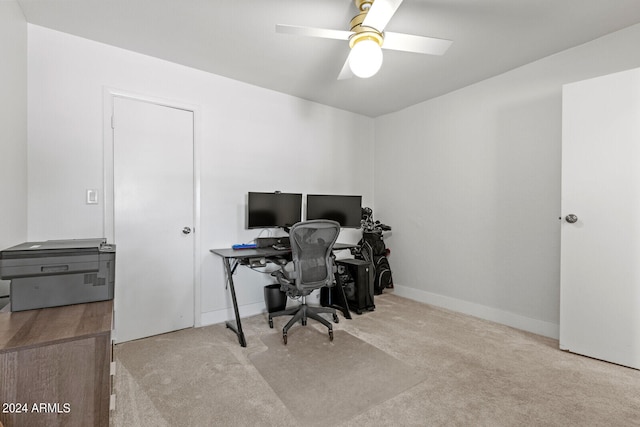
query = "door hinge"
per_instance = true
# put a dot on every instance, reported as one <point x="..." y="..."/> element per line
<point x="113" y="126"/>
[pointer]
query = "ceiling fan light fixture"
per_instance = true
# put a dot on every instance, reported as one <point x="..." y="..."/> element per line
<point x="365" y="58"/>
<point x="367" y="36"/>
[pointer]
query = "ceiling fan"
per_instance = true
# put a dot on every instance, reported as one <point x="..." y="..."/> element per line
<point x="367" y="37"/>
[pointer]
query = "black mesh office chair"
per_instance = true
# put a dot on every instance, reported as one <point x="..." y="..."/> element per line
<point x="313" y="267"/>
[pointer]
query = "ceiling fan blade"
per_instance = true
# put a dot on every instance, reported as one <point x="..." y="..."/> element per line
<point x="313" y="32"/>
<point x="417" y="44"/>
<point x="380" y="13"/>
<point x="346" y="72"/>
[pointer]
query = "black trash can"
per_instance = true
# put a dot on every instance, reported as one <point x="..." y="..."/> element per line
<point x="274" y="298"/>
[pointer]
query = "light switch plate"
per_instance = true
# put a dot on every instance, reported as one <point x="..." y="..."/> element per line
<point x="92" y="197"/>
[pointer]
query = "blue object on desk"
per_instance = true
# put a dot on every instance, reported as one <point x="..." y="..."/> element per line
<point x="244" y="246"/>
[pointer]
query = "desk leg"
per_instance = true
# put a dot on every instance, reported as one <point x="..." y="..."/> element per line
<point x="237" y="328"/>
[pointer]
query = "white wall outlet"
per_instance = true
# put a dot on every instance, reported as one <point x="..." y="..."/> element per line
<point x="92" y="197"/>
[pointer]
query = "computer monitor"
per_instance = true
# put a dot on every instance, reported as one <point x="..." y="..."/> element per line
<point x="346" y="210"/>
<point x="270" y="210"/>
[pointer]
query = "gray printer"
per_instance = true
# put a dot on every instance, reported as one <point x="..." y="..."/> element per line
<point x="58" y="272"/>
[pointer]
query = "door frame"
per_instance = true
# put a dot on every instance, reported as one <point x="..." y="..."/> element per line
<point x="109" y="94"/>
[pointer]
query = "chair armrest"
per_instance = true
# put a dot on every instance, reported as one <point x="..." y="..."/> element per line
<point x="286" y="273"/>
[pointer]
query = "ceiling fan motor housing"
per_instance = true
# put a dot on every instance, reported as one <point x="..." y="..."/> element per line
<point x="361" y="32"/>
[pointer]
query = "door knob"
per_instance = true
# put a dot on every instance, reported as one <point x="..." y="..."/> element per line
<point x="571" y="218"/>
<point x="186" y="230"/>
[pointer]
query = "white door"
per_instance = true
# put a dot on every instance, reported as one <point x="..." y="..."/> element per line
<point x="153" y="218"/>
<point x="600" y="256"/>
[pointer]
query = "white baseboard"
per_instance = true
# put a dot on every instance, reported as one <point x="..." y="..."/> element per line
<point x="547" y="329"/>
<point x="247" y="310"/>
<point x="540" y="327"/>
<point x="220" y="316"/>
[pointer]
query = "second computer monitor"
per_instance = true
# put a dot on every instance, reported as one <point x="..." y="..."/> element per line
<point x="346" y="210"/>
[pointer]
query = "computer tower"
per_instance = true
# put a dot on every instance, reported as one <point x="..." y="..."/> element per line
<point x="355" y="275"/>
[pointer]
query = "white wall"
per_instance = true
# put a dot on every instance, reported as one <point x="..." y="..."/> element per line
<point x="252" y="139"/>
<point x="13" y="128"/>
<point x="470" y="183"/>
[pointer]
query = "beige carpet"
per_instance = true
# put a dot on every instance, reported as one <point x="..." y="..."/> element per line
<point x="468" y="372"/>
<point x="186" y="378"/>
<point x="355" y="375"/>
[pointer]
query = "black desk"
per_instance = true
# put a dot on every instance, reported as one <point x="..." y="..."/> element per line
<point x="233" y="257"/>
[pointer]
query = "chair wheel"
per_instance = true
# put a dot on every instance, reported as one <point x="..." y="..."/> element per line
<point x="284" y="337"/>
<point x="335" y="318"/>
<point x="270" y="322"/>
<point x="330" y="335"/>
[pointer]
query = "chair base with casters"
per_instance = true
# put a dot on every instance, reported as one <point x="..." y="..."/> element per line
<point x="301" y="313"/>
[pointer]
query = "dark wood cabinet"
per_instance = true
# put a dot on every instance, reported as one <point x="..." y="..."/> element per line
<point x="55" y="366"/>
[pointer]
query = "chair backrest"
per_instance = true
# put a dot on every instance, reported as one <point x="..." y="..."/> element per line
<point x="311" y="246"/>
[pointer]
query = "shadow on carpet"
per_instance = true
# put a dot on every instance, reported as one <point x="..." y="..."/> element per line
<point x="323" y="382"/>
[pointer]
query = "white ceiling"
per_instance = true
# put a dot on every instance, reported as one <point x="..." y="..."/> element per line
<point x="237" y="39"/>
